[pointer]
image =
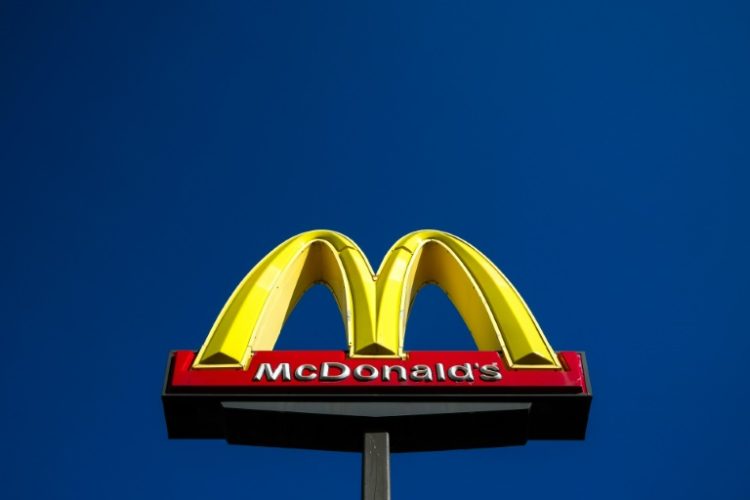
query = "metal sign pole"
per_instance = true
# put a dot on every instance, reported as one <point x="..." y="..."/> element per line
<point x="376" y="467"/>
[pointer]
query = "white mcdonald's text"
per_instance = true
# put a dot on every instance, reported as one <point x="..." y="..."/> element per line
<point x="332" y="371"/>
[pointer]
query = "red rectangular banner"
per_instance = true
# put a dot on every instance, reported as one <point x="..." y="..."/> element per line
<point x="321" y="370"/>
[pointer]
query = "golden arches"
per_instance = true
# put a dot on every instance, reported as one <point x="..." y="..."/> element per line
<point x="375" y="307"/>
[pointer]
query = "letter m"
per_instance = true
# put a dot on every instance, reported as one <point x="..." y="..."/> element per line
<point x="265" y="370"/>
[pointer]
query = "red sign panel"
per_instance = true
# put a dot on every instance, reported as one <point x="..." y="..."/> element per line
<point x="426" y="370"/>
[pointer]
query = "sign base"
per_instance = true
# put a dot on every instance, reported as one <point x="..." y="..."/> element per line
<point x="232" y="405"/>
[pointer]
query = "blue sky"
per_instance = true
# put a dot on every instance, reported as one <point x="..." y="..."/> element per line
<point x="152" y="153"/>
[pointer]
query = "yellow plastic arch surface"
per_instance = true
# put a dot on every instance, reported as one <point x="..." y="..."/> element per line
<point x="375" y="308"/>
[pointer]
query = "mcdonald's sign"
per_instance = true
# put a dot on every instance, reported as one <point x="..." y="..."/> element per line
<point x="514" y="387"/>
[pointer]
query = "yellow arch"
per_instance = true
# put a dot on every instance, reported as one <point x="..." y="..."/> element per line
<point x="253" y="316"/>
<point x="491" y="307"/>
<point x="375" y="307"/>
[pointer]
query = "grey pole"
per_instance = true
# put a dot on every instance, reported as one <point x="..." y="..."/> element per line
<point x="376" y="467"/>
